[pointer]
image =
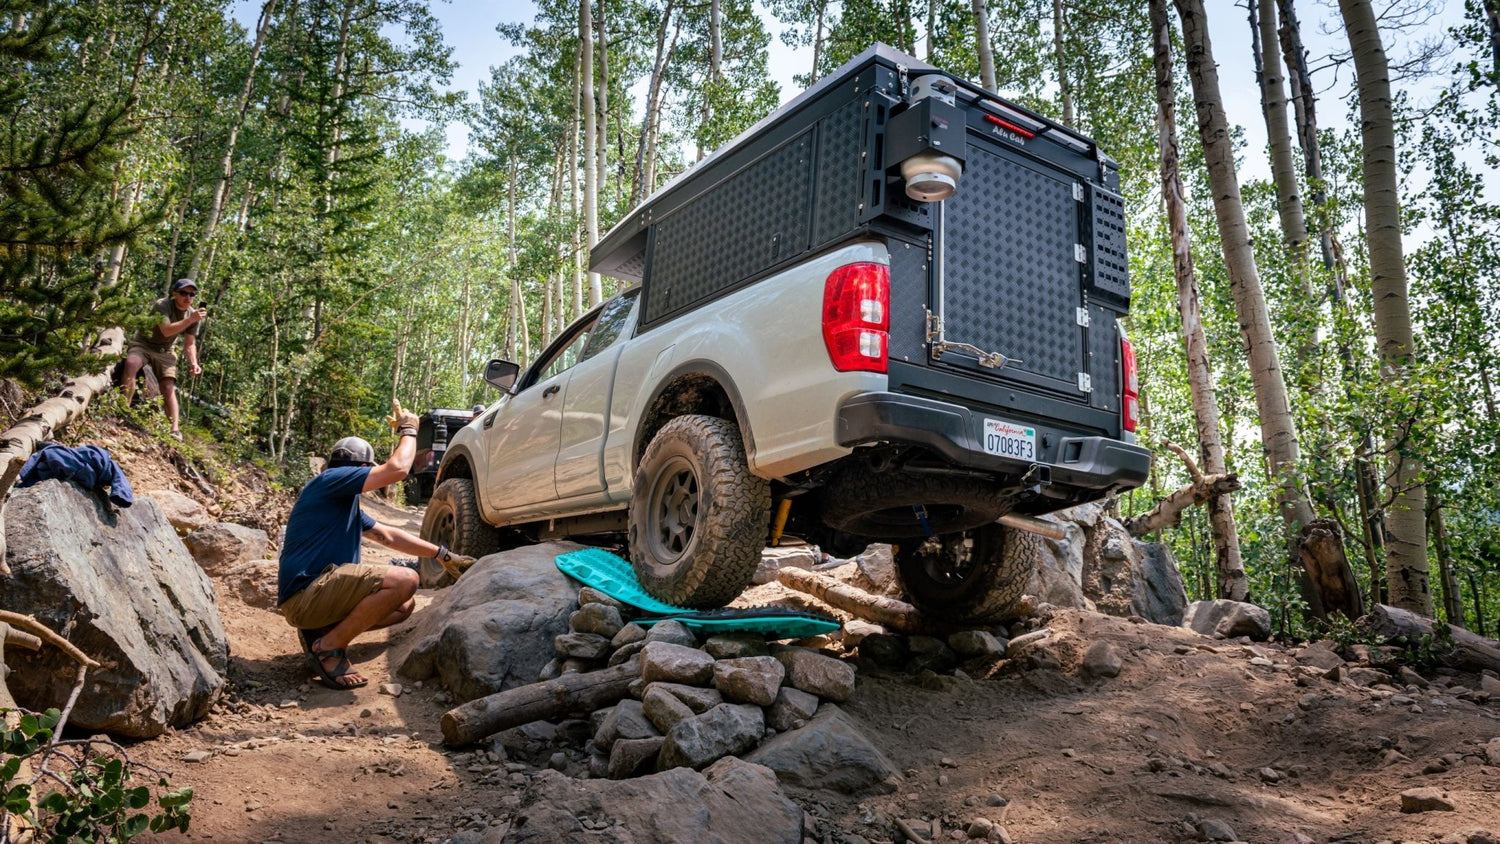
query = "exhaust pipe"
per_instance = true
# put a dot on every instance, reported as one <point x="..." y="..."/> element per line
<point x="1031" y="524"/>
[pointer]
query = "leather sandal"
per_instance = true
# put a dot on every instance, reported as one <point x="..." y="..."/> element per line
<point x="332" y="679"/>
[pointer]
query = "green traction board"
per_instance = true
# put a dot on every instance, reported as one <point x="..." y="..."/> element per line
<point x="612" y="575"/>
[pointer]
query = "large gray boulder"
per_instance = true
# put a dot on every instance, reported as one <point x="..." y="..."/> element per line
<point x="220" y="547"/>
<point x="1099" y="565"/>
<point x="121" y="586"/>
<point x="183" y="512"/>
<point x="732" y="802"/>
<point x="493" y="629"/>
<point x="829" y="753"/>
<point x="1225" y="619"/>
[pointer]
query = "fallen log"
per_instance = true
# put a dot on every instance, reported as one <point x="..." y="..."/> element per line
<point x="21" y="440"/>
<point x="549" y="700"/>
<point x="1168" y="512"/>
<point x="48" y="635"/>
<point x="1470" y="652"/>
<point x="19" y="638"/>
<point x="897" y="615"/>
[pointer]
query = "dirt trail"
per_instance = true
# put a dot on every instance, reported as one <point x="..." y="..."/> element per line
<point x="1191" y="731"/>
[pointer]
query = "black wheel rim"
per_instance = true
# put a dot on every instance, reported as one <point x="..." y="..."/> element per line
<point x="673" y="511"/>
<point x="944" y="567"/>
<point x="445" y="529"/>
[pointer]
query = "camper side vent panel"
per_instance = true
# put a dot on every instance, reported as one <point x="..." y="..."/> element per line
<point x="756" y="218"/>
<point x="1111" y="272"/>
<point x="841" y="140"/>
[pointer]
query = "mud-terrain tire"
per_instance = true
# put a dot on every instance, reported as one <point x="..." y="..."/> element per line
<point x="698" y="518"/>
<point x="984" y="589"/>
<point x="452" y="519"/>
<point x="880" y="505"/>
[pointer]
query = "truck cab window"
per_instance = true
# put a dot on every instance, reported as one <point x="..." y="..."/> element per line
<point x="565" y="357"/>
<point x="612" y="322"/>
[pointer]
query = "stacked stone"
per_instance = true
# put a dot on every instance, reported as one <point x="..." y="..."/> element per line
<point x="697" y="702"/>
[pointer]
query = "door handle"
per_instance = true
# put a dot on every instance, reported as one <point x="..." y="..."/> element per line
<point x="550" y="391"/>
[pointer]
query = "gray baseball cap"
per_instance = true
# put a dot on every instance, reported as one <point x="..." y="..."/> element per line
<point x="351" y="451"/>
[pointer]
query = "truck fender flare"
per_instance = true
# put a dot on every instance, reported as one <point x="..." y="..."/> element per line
<point x="702" y="369"/>
<point x="451" y="457"/>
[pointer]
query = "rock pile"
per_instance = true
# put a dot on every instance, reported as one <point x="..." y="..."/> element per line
<point x="695" y="702"/>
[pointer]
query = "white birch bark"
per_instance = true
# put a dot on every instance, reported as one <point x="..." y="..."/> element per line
<point x="982" y="45"/>
<point x="1406" y="524"/>
<point x="1278" y="433"/>
<point x="1228" y="562"/>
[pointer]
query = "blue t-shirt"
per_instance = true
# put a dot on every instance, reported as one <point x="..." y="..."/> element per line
<point x="324" y="528"/>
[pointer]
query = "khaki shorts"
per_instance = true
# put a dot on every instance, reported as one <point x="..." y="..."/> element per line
<point x="330" y="598"/>
<point x="164" y="364"/>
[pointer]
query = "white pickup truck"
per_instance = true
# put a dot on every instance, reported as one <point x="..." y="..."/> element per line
<point x="888" y="312"/>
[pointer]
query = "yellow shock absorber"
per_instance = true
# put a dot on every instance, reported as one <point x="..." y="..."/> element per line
<point x="778" y="524"/>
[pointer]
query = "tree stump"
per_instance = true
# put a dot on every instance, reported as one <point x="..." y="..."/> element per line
<point x="1328" y="571"/>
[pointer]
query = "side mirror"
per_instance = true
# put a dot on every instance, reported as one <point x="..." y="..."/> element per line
<point x="501" y="374"/>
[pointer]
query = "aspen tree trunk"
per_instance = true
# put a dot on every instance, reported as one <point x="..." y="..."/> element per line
<point x="590" y="145"/>
<point x="1278" y="133"/>
<point x="117" y="252"/>
<point x="1476" y="594"/>
<point x="465" y="324"/>
<point x="1308" y="333"/>
<point x="643" y="185"/>
<point x="1304" y="102"/>
<point x="903" y="13"/>
<point x="1060" y="58"/>
<point x="566" y="311"/>
<point x="226" y="164"/>
<point x="550" y="313"/>
<point x="818" y="42"/>
<point x="1406" y="526"/>
<point x="1229" y="565"/>
<point x="548" y="308"/>
<point x="931" y="28"/>
<point x="1492" y="18"/>
<point x="1372" y="519"/>
<point x="1453" y="607"/>
<point x="181" y="214"/>
<point x="602" y="166"/>
<point x="398" y="362"/>
<point x="715" y="62"/>
<point x="514" y="324"/>
<point x="982" y="45"/>
<point x="1277" y="432"/>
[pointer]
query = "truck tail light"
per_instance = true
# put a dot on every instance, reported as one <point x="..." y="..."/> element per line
<point x="1130" y="407"/>
<point x="856" y="317"/>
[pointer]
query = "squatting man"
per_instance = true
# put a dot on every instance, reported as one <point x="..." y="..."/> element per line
<point x="324" y="590"/>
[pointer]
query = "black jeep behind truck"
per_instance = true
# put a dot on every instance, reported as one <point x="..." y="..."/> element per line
<point x="434" y="429"/>
<point x="888" y="312"/>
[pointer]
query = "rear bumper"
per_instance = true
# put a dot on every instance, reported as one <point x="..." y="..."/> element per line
<point x="956" y="434"/>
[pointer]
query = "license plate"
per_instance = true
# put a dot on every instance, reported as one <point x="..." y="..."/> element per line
<point x="1008" y="439"/>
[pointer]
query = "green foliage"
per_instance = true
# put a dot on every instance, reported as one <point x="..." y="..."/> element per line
<point x="58" y="218"/>
<point x="90" y="799"/>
